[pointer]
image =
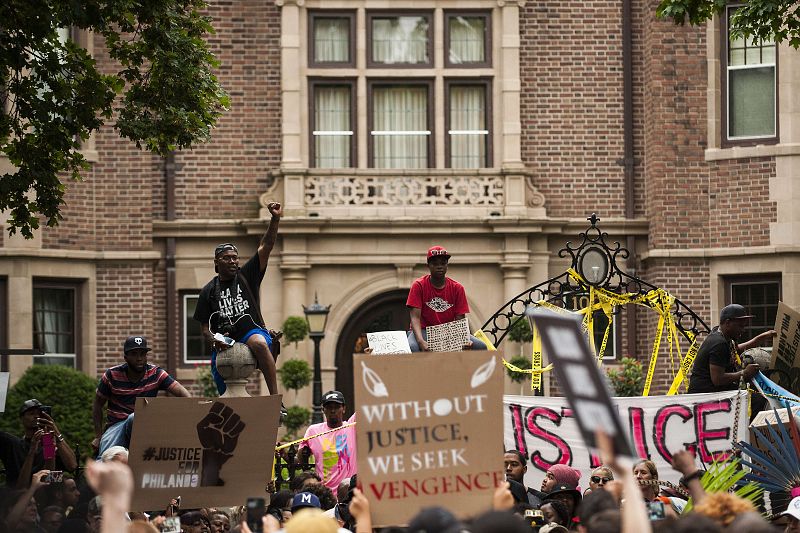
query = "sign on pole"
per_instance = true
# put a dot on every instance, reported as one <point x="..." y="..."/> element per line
<point x="578" y="375"/>
<point x="429" y="432"/>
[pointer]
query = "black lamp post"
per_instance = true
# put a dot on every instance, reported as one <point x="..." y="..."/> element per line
<point x="317" y="317"/>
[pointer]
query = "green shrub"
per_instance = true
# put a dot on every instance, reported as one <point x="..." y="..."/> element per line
<point x="295" y="374"/>
<point x="629" y="380"/>
<point x="519" y="362"/>
<point x="296" y="418"/>
<point x="205" y="381"/>
<point x="520" y="331"/>
<point x="295" y="329"/>
<point x="70" y="392"/>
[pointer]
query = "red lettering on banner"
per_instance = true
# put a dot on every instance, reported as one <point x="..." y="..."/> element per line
<point x="636" y="417"/>
<point x="701" y="410"/>
<point x="594" y="461"/>
<point x="660" y="424"/>
<point x="564" y="452"/>
<point x="519" y="430"/>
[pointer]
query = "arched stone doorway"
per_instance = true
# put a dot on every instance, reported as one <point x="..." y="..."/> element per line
<point x="385" y="312"/>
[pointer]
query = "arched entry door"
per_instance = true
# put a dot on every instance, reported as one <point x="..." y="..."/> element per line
<point x="385" y="312"/>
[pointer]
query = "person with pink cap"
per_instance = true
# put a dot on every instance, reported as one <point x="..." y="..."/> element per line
<point x="436" y="299"/>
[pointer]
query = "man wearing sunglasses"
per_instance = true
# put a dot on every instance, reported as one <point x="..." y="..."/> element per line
<point x="229" y="303"/>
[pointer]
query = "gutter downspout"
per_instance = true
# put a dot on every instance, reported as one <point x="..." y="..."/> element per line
<point x="172" y="295"/>
<point x="628" y="161"/>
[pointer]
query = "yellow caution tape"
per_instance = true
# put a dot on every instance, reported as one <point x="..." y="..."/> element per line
<point x="298" y="441"/>
<point x="481" y="336"/>
<point x="601" y="299"/>
<point x="536" y="360"/>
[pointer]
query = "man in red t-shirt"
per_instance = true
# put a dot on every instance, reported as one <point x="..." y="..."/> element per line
<point x="436" y="299"/>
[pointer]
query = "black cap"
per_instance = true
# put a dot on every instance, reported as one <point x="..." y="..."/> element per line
<point x="33" y="403"/>
<point x="733" y="311"/>
<point x="135" y="343"/>
<point x="565" y="489"/>
<point x="333" y="396"/>
<point x="224" y="247"/>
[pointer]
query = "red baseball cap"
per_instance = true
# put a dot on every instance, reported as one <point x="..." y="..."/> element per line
<point x="437" y="251"/>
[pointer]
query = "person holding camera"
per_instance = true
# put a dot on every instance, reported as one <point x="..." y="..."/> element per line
<point x="41" y="447"/>
<point x="228" y="308"/>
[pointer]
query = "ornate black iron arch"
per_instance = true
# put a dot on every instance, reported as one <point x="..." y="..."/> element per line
<point x="596" y="261"/>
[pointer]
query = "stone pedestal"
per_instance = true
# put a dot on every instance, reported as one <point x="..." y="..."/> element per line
<point x="235" y="365"/>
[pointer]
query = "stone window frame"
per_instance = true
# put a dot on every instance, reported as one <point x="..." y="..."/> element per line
<point x="185" y="361"/>
<point x="726" y="141"/>
<point x="77" y="315"/>
<point x="313" y="83"/>
<point x="487" y="37"/>
<point x="295" y="72"/>
<point x="426" y="82"/>
<point x="350" y="15"/>
<point x="385" y="13"/>
<point x="487" y="83"/>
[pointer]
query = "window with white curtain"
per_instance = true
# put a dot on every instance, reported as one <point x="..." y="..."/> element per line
<point x="331" y="39"/>
<point x="401" y="128"/>
<point x="467" y="39"/>
<point x="400" y="39"/>
<point x="54" y="324"/>
<point x="751" y="86"/>
<point x="395" y="87"/>
<point x="468" y="130"/>
<point x="332" y="129"/>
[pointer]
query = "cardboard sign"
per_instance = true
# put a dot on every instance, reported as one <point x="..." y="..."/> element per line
<point x="383" y="342"/>
<point x="428" y="429"/>
<point x="546" y="430"/>
<point x="762" y="421"/>
<point x="786" y="351"/>
<point x="210" y="452"/>
<point x="575" y="365"/>
<point x="448" y="337"/>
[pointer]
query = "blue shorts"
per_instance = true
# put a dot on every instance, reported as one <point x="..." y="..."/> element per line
<point x="221" y="387"/>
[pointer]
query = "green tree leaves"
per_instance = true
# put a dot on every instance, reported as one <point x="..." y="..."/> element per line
<point x="55" y="96"/>
<point x="764" y="20"/>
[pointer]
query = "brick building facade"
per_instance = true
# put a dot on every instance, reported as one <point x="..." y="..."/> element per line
<point x="537" y="93"/>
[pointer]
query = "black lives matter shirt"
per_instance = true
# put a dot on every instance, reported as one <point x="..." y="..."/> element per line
<point x="715" y="350"/>
<point x="234" y="308"/>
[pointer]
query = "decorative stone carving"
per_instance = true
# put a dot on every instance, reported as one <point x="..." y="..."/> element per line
<point x="404" y="190"/>
<point x="235" y="365"/>
<point x="274" y="193"/>
<point x="533" y="197"/>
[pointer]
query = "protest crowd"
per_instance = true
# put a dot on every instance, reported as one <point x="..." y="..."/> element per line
<point x="47" y="491"/>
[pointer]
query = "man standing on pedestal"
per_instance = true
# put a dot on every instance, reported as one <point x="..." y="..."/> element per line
<point x="229" y="303"/>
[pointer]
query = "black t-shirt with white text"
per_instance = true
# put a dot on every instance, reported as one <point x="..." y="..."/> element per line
<point x="715" y="350"/>
<point x="238" y="308"/>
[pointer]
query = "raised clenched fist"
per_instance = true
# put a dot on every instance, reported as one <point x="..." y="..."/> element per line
<point x="219" y="433"/>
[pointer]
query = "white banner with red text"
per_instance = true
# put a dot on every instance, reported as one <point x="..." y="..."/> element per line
<point x="544" y="429"/>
